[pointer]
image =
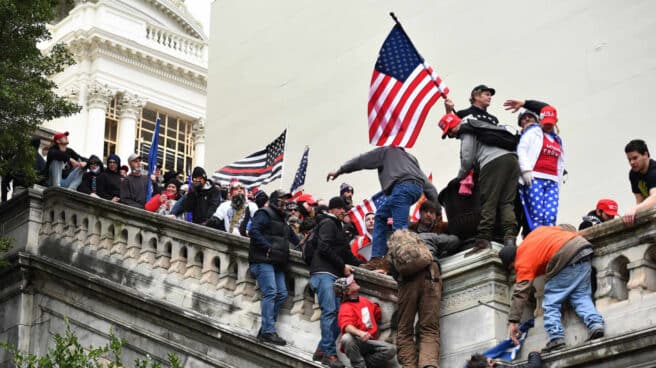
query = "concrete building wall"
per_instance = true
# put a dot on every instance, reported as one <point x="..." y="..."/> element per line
<point x="307" y="66"/>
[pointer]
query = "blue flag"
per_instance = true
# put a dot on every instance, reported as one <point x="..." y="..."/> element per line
<point x="299" y="178"/>
<point x="152" y="159"/>
<point x="506" y="350"/>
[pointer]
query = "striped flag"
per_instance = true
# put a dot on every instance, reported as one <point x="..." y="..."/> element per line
<point x="262" y="167"/>
<point x="369" y="205"/>
<point x="152" y="159"/>
<point x="299" y="178"/>
<point x="403" y="89"/>
<point x="414" y="217"/>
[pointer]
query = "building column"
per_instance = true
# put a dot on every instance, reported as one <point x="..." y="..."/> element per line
<point x="98" y="98"/>
<point x="198" y="130"/>
<point x="130" y="108"/>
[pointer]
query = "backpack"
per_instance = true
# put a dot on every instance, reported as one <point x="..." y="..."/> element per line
<point x="408" y="253"/>
<point x="311" y="244"/>
<point x="490" y="134"/>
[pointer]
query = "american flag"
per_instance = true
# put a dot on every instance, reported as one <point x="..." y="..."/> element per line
<point x="299" y="178"/>
<point x="403" y="89"/>
<point x="369" y="205"/>
<point x="262" y="167"/>
<point x="414" y="213"/>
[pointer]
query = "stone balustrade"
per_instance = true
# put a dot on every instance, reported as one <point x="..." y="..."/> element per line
<point x="204" y="271"/>
<point x="184" y="46"/>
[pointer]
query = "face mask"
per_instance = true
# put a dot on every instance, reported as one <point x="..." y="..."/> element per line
<point x="96" y="170"/>
<point x="196" y="185"/>
<point x="136" y="171"/>
<point x="238" y="201"/>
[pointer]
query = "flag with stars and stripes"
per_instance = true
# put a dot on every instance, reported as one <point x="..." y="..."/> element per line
<point x="299" y="178"/>
<point x="262" y="167"/>
<point x="369" y="205"/>
<point x="403" y="89"/>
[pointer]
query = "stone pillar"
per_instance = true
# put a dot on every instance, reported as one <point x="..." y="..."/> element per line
<point x="98" y="97"/>
<point x="199" y="142"/>
<point x="130" y="108"/>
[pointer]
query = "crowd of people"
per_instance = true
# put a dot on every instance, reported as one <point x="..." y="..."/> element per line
<point x="506" y="182"/>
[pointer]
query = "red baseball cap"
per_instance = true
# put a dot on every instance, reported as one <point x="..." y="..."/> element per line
<point x="608" y="206"/>
<point x="307" y="198"/>
<point x="447" y="122"/>
<point x="548" y="115"/>
<point x="58" y="136"/>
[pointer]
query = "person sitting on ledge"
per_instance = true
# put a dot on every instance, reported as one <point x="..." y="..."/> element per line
<point x="564" y="256"/>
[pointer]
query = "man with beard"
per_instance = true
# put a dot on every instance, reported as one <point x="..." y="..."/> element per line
<point x="268" y="255"/>
<point x="135" y="185"/>
<point x="231" y="213"/>
<point x="203" y="197"/>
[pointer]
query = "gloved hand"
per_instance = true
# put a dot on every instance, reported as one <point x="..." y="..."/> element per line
<point x="527" y="176"/>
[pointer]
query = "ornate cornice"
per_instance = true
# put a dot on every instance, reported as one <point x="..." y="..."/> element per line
<point x="130" y="106"/>
<point x="84" y="47"/>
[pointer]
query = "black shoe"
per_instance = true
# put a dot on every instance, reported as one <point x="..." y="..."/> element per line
<point x="479" y="245"/>
<point x="317" y="356"/>
<point x="332" y="361"/>
<point x="272" y="338"/>
<point x="596" y="333"/>
<point x="553" y="345"/>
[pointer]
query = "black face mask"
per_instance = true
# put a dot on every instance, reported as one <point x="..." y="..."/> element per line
<point x="196" y="186"/>
<point x="238" y="201"/>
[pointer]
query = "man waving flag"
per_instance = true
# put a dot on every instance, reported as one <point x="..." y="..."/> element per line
<point x="403" y="89"/>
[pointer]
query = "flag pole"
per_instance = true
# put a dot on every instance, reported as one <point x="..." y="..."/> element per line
<point x="398" y="23"/>
<point x="284" y="152"/>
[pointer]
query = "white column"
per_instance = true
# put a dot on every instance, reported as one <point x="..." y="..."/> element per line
<point x="98" y="97"/>
<point x="199" y="142"/>
<point x="130" y="107"/>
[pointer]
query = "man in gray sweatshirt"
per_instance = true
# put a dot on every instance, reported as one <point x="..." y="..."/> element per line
<point x="402" y="180"/>
<point x="498" y="172"/>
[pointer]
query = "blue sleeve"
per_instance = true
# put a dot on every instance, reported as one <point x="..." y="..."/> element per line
<point x="260" y="222"/>
<point x="177" y="207"/>
<point x="293" y="237"/>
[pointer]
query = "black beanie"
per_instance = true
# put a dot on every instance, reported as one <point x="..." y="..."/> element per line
<point x="507" y="255"/>
<point x="199" y="172"/>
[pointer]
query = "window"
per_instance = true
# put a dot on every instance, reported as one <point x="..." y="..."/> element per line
<point x="111" y="129"/>
<point x="176" y="148"/>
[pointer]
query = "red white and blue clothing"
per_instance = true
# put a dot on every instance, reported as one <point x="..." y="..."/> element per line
<point x="542" y="154"/>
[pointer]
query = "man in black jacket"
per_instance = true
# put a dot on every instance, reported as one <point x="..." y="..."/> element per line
<point x="332" y="260"/>
<point x="268" y="255"/>
<point x="89" y="184"/>
<point x="480" y="99"/>
<point x="109" y="181"/>
<point x="64" y="166"/>
<point x="203" y="198"/>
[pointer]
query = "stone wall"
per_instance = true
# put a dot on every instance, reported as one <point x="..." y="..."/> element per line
<point x="166" y="285"/>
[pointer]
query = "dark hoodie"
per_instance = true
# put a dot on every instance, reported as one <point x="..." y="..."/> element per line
<point x="109" y="182"/>
<point x="89" y="182"/>
<point x="333" y="249"/>
<point x="590" y="220"/>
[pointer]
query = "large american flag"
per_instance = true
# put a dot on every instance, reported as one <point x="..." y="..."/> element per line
<point x="262" y="167"/>
<point x="299" y="178"/>
<point x="369" y="205"/>
<point x="403" y="89"/>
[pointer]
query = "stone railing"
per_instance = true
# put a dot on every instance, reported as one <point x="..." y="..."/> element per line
<point x="204" y="271"/>
<point x="183" y="46"/>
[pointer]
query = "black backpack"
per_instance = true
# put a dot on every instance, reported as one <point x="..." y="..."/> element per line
<point x="311" y="244"/>
<point x="490" y="134"/>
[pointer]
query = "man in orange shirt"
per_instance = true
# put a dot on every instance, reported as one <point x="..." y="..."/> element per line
<point x="564" y="256"/>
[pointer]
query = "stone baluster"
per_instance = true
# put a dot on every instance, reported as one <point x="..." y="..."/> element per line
<point x="164" y="255"/>
<point x="642" y="277"/>
<point x="59" y="223"/>
<point x="120" y="244"/>
<point x="210" y="272"/>
<point x="148" y="251"/>
<point x="245" y="284"/>
<point x="68" y="235"/>
<point x="178" y="259"/>
<point x="134" y="248"/>
<point x="47" y="226"/>
<point x="93" y="237"/>
<point x="194" y="262"/>
<point x="106" y="241"/>
<point x="81" y="233"/>
<point x="227" y="278"/>
<point x="298" y="298"/>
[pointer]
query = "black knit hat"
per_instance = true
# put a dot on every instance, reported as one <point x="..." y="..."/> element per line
<point x="507" y="255"/>
<point x="336" y="202"/>
<point x="199" y="172"/>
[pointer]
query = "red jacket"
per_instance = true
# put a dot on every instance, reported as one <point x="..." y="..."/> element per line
<point x="363" y="314"/>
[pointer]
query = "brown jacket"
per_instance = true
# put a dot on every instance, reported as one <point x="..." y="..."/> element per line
<point x="523" y="290"/>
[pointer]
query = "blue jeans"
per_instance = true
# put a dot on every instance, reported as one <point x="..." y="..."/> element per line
<point x="322" y="285"/>
<point x="571" y="283"/>
<point x="274" y="293"/>
<point x="397" y="206"/>
<point x="72" y="181"/>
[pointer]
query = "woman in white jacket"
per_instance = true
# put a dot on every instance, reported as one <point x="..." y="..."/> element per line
<point x="541" y="161"/>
